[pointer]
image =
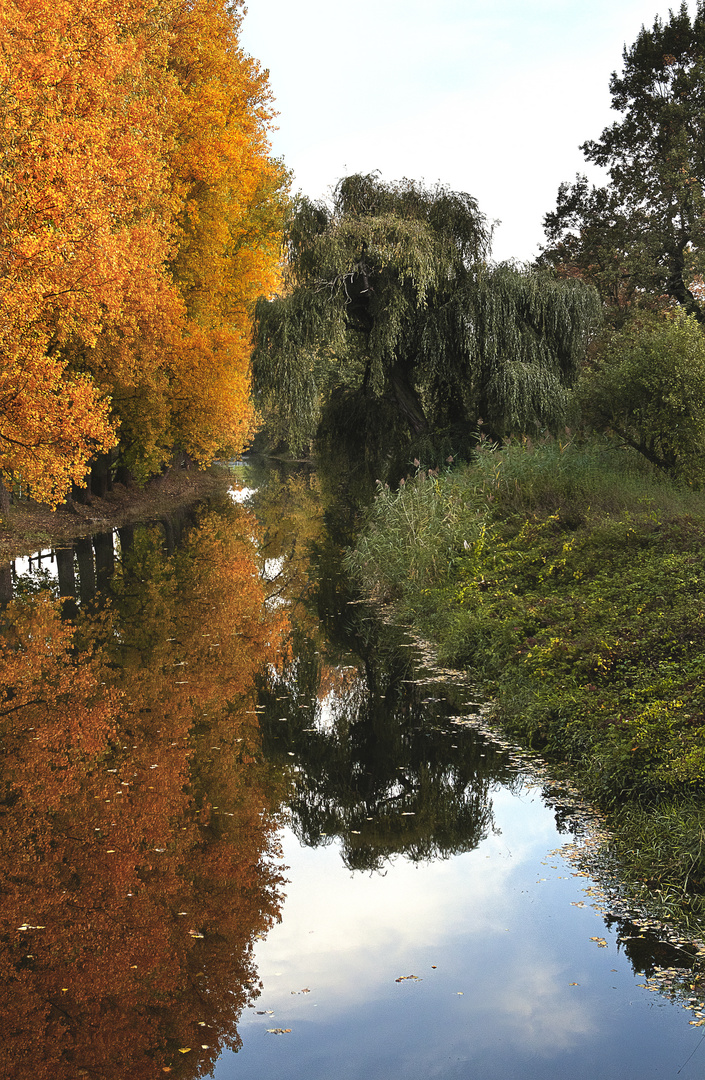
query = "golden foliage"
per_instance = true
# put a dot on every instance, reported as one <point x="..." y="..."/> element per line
<point x="139" y="217"/>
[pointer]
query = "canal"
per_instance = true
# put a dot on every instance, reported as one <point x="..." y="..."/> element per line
<point x="249" y="830"/>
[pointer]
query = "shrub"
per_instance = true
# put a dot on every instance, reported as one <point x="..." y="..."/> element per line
<point x="647" y="385"/>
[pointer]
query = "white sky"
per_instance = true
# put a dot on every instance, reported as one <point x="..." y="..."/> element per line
<point x="492" y="97"/>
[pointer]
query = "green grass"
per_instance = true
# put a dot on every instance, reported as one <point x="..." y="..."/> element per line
<point x="570" y="580"/>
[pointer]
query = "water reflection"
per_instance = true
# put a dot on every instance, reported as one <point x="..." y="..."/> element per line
<point x="136" y="835"/>
<point x="379" y="770"/>
<point x="376" y="765"/>
<point x="142" y="782"/>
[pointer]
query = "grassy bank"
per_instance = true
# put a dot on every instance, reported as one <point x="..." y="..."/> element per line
<point x="570" y="580"/>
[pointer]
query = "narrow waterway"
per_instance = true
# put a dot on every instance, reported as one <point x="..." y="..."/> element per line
<point x="256" y="841"/>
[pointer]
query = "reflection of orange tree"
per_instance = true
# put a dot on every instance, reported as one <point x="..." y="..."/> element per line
<point x="290" y="514"/>
<point x="134" y="837"/>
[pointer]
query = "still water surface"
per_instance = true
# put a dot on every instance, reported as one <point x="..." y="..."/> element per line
<point x="432" y="921"/>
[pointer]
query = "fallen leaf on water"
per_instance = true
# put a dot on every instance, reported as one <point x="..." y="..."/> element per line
<point x="278" y="1031"/>
<point x="602" y="944"/>
<point x="403" y="978"/>
<point x="573" y="984"/>
<point x="184" y="1049"/>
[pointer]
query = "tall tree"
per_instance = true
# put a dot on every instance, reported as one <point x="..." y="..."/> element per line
<point x="229" y="226"/>
<point x="140" y="214"/>
<point x="639" y="238"/>
<point x="389" y="298"/>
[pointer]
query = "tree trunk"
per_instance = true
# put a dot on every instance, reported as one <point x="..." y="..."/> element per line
<point x="67" y="582"/>
<point x="127" y="539"/>
<point x="81" y="495"/>
<point x="86" y="569"/>
<point x="67" y="575"/>
<point x="104" y="559"/>
<point x="5" y="584"/>
<point x="677" y="288"/>
<point x="406" y="398"/>
<point x="100" y="481"/>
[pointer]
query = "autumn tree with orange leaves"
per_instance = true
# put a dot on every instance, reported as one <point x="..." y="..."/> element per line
<point x="139" y="220"/>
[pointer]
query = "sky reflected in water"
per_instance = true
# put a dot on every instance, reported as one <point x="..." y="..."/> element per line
<point x="508" y="983"/>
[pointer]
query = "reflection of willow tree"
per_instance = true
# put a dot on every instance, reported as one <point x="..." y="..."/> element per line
<point x="134" y="838"/>
<point x="375" y="762"/>
<point x="374" y="766"/>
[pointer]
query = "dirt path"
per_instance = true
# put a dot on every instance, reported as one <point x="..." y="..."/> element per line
<point x="31" y="526"/>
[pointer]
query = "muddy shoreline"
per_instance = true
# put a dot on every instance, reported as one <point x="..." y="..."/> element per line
<point x="31" y="526"/>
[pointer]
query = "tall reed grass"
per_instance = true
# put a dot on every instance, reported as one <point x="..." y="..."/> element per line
<point x="415" y="536"/>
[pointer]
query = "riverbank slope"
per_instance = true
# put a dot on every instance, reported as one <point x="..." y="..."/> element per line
<point x="570" y="581"/>
<point x="31" y="526"/>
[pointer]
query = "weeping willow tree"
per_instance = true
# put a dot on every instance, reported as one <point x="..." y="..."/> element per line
<point x="389" y="299"/>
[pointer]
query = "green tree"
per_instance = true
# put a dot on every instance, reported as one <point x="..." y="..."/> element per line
<point x="389" y="298"/>
<point x="648" y="387"/>
<point x="639" y="238"/>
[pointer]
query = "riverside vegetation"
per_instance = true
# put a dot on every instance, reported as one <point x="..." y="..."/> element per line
<point x="567" y="573"/>
<point x="568" y="577"/>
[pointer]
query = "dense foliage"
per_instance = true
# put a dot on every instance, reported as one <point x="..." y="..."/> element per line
<point x="647" y="385"/>
<point x="390" y="299"/>
<point x="133" y="784"/>
<point x="140" y="217"/>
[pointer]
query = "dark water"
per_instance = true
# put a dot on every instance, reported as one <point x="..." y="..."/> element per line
<point x="165" y="755"/>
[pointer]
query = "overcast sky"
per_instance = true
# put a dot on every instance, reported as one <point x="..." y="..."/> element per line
<point x="493" y="100"/>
